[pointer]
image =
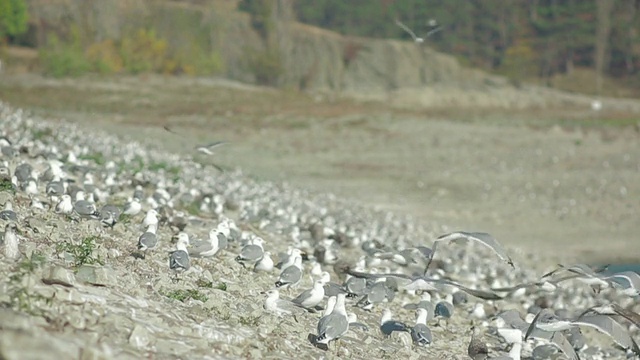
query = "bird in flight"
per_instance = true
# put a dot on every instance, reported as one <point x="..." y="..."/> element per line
<point x="417" y="39"/>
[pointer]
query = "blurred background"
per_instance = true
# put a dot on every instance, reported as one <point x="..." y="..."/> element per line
<point x="519" y="118"/>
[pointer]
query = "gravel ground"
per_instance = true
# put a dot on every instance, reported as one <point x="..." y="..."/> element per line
<point x="105" y="303"/>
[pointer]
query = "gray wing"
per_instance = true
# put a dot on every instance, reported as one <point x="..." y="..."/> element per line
<point x="627" y="314"/>
<point x="289" y="306"/>
<point x="633" y="278"/>
<point x="198" y="249"/>
<point x="421" y="334"/>
<point x="84" y="207"/>
<point x="480" y="294"/>
<point x="8" y="215"/>
<point x="481" y="237"/>
<point x="212" y="145"/>
<point x="561" y="342"/>
<point x="532" y="326"/>
<point x="179" y="259"/>
<point x="333" y="326"/>
<point x="222" y="241"/>
<point x="392" y="325"/>
<point x="333" y="289"/>
<point x="356" y="285"/>
<point x="405" y="28"/>
<point x="607" y="325"/>
<point x="512" y="318"/>
<point x="302" y="297"/>
<point x="359" y="325"/>
<point x="147" y="240"/>
<point x="290" y="275"/>
<point x="251" y="253"/>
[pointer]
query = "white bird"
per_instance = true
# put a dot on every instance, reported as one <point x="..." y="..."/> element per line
<point x="11" y="250"/>
<point x="208" y="148"/>
<point x="335" y="325"/>
<point x="133" y="207"/>
<point x="310" y="298"/>
<point x="416" y="39"/>
<point x="64" y="206"/>
<point x="150" y="219"/>
<point x="278" y="306"/>
<point x="265" y="264"/>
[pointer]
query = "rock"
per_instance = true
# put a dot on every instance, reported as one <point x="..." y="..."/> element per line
<point x="58" y="275"/>
<point x="38" y="345"/>
<point x="96" y="275"/>
<point x="140" y="337"/>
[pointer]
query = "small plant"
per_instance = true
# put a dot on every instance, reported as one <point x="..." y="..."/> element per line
<point x="193" y="209"/>
<point x="20" y="297"/>
<point x="222" y="286"/>
<point x="252" y="321"/>
<point x="97" y="158"/>
<point x="204" y="283"/>
<point x="184" y="295"/>
<point x="82" y="253"/>
<point x="6" y="185"/>
<point x="39" y="134"/>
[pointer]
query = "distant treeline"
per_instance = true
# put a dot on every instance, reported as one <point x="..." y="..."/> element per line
<point x="532" y="38"/>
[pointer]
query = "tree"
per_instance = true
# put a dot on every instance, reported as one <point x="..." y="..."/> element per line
<point x="602" y="39"/>
<point x="13" y="18"/>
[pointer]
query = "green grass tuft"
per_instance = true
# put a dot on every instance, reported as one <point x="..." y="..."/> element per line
<point x="184" y="295"/>
<point x="82" y="253"/>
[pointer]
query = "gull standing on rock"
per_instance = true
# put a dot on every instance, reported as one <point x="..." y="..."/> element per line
<point x="85" y="208"/>
<point x="133" y="207"/>
<point x="148" y="240"/>
<point x="310" y="298"/>
<point x="8" y="213"/>
<point x="420" y="333"/>
<point x="179" y="259"/>
<point x="334" y="325"/>
<point x="11" y="250"/>
<point x="290" y="276"/>
<point x="388" y="325"/>
<point x="252" y="252"/>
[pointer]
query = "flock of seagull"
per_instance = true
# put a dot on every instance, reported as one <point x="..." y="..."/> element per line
<point x="437" y="282"/>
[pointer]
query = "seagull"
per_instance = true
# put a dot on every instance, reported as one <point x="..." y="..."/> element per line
<point x="420" y="333"/>
<point x="629" y="278"/>
<point x="424" y="283"/>
<point x="64" y="206"/>
<point x="179" y="259"/>
<point x="11" y="250"/>
<point x="278" y="306"/>
<point x="252" y="252"/>
<point x="207" y="148"/>
<point x="310" y="298"/>
<point x="290" y="276"/>
<point x="150" y="218"/>
<point x="207" y="248"/>
<point x="8" y="213"/>
<point x="416" y="39"/>
<point x="388" y="325"/>
<point x="265" y="264"/>
<point x="334" y="325"/>
<point x="133" y="207"/>
<point x="546" y="320"/>
<point x="584" y="274"/>
<point x="613" y="309"/>
<point x="607" y="325"/>
<point x="483" y="238"/>
<point x="148" y="240"/>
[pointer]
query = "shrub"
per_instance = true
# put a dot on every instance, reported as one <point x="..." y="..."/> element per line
<point x="64" y="59"/>
<point x="105" y="57"/>
<point x="265" y="65"/>
<point x="13" y="17"/>
<point x="143" y="52"/>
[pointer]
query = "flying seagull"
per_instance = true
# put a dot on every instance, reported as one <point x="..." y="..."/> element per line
<point x="608" y="326"/>
<point x="613" y="309"/>
<point x="207" y="148"/>
<point x="416" y="39"/>
<point x="483" y="238"/>
<point x="424" y="283"/>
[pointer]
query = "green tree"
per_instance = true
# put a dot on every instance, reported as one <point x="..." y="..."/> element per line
<point x="13" y="18"/>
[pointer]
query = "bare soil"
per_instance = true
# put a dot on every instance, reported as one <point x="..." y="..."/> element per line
<point x="561" y="181"/>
